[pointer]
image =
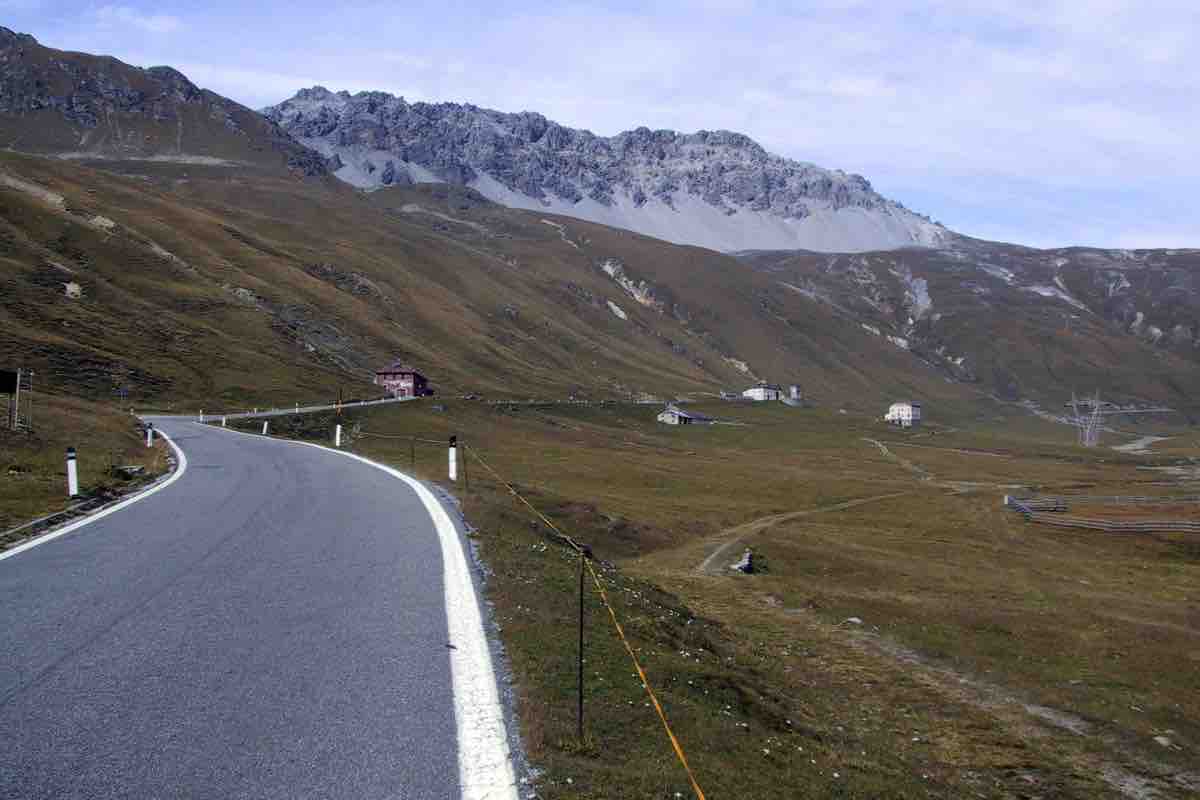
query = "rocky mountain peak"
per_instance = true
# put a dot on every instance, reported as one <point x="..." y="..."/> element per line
<point x="9" y="38"/>
<point x="719" y="189"/>
<point x="83" y="105"/>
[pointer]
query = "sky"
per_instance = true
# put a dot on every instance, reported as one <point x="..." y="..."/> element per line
<point x="1043" y="122"/>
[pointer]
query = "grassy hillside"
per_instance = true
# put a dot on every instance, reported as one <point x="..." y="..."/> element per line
<point x="1021" y="323"/>
<point x="213" y="287"/>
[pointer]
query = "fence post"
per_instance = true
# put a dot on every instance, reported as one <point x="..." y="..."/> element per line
<point x="14" y="407"/>
<point x="265" y="424"/>
<point x="579" y="715"/>
<point x="337" y="436"/>
<point x="72" y="475"/>
<point x="454" y="458"/>
<point x="149" y="434"/>
<point x="466" y="470"/>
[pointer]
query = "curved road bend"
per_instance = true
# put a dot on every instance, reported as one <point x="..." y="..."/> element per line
<point x="271" y="625"/>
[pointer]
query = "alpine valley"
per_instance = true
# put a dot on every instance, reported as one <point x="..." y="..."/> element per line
<point x="157" y="235"/>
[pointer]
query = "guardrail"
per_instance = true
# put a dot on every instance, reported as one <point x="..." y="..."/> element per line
<point x="299" y="409"/>
<point x="1108" y="500"/>
<point x="1117" y="526"/>
<point x="532" y="402"/>
<point x="1049" y="511"/>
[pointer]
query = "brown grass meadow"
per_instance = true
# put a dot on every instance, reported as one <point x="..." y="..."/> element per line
<point x="905" y="636"/>
<point x="33" y="480"/>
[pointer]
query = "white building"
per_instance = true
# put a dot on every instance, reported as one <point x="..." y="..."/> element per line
<point x="674" y="415"/>
<point x="763" y="391"/>
<point x="905" y="414"/>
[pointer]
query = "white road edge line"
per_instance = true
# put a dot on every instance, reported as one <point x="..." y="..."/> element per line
<point x="181" y="461"/>
<point x="484" y="760"/>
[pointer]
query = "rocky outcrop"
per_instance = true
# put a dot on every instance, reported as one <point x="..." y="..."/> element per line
<point x="96" y="106"/>
<point x="715" y="188"/>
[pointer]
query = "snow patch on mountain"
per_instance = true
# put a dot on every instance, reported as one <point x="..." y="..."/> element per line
<point x="738" y="364"/>
<point x="1003" y="274"/>
<point x="640" y="291"/>
<point x="1057" y="293"/>
<point x="617" y="311"/>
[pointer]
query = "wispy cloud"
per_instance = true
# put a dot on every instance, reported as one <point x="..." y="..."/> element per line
<point x="113" y="15"/>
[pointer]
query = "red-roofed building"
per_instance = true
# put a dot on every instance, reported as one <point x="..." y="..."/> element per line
<point x="401" y="380"/>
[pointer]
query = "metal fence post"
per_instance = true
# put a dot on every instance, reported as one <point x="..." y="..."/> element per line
<point x="579" y="715"/>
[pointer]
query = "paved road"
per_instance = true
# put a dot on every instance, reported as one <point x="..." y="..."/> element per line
<point x="271" y="625"/>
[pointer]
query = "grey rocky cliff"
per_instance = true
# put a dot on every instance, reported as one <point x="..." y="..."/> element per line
<point x="715" y="188"/>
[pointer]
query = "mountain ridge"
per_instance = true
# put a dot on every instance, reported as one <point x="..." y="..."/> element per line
<point x="84" y="106"/>
<point x="329" y="281"/>
<point x="717" y="189"/>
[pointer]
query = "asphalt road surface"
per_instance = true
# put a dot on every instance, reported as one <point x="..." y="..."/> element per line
<point x="271" y="625"/>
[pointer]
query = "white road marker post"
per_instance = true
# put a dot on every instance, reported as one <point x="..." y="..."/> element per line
<point x="265" y="424"/>
<point x="202" y="416"/>
<point x="337" y="436"/>
<point x="224" y="419"/>
<point x="149" y="434"/>
<point x="454" y="458"/>
<point x="72" y="475"/>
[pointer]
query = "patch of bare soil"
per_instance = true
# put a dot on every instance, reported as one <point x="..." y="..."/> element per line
<point x="732" y="537"/>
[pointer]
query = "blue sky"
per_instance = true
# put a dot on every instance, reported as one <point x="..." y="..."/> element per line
<point x="1046" y="123"/>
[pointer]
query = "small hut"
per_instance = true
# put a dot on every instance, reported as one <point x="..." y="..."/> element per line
<point x="674" y="415"/>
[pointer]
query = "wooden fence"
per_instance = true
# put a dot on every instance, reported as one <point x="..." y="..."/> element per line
<point x="1049" y="511"/>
